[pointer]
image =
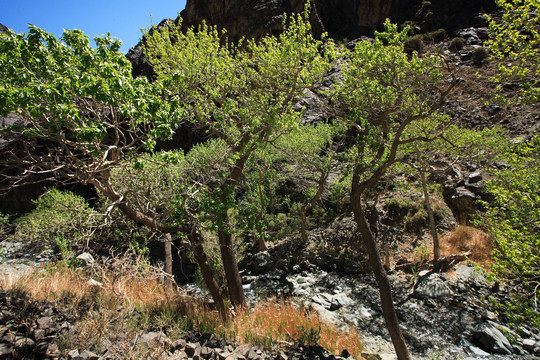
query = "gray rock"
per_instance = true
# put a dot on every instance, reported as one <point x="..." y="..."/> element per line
<point x="5" y="350"/>
<point x="193" y="349"/>
<point x="24" y="342"/>
<point x="87" y="258"/>
<point x="476" y="351"/>
<point x="474" y="177"/>
<point x="342" y="300"/>
<point x="529" y="344"/>
<point x="73" y="355"/>
<point x="471" y="274"/>
<point x="492" y="339"/>
<point x="88" y="355"/>
<point x="262" y="262"/>
<point x="45" y="322"/>
<point x="431" y="286"/>
<point x="152" y="339"/>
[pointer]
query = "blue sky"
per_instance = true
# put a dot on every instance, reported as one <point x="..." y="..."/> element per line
<point x="122" y="18"/>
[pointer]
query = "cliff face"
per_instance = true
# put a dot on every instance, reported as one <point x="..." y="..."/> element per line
<point x="340" y="18"/>
<point x="255" y="18"/>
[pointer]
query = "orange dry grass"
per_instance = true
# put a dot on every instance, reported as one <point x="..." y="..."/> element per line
<point x="268" y="323"/>
<point x="282" y="321"/>
<point x="466" y="238"/>
<point x="62" y="282"/>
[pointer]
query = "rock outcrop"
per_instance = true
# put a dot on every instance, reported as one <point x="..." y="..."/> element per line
<point x="3" y="28"/>
<point x="340" y="18"/>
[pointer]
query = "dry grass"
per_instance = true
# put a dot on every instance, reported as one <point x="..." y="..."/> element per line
<point x="465" y="238"/>
<point x="127" y="303"/>
<point x="272" y="321"/>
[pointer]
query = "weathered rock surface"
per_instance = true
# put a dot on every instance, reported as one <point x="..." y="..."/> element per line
<point x="492" y="339"/>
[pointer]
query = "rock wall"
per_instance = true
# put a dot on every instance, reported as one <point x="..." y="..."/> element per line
<point x="255" y="18"/>
<point x="340" y="18"/>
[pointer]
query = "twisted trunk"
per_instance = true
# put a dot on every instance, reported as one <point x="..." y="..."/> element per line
<point x="387" y="303"/>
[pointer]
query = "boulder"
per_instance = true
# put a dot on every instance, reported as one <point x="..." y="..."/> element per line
<point x="431" y="285"/>
<point x="492" y="339"/>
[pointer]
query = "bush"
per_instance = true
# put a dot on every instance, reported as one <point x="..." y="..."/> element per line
<point x="414" y="43"/>
<point x="434" y="36"/>
<point x="479" y="55"/>
<point x="457" y="43"/>
<point x="61" y="219"/>
<point x="514" y="39"/>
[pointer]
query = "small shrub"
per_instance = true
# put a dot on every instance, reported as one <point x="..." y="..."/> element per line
<point x="421" y="254"/>
<point x="479" y="55"/>
<point x="457" y="43"/>
<point x="414" y="43"/>
<point x="60" y="219"/>
<point x="435" y="36"/>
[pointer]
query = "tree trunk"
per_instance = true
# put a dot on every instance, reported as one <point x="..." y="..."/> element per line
<point x="432" y="225"/>
<point x="230" y="265"/>
<point x="387" y="303"/>
<point x="167" y="245"/>
<point x="207" y="273"/>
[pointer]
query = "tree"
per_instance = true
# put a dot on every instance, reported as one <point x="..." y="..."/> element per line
<point x="514" y="40"/>
<point x="389" y="100"/>
<point x="84" y="113"/>
<point x="243" y="95"/>
<point x="87" y="120"/>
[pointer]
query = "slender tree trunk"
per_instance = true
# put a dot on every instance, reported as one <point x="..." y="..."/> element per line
<point x="387" y="303"/>
<point x="260" y="244"/>
<point x="167" y="245"/>
<point x="230" y="265"/>
<point x="431" y="217"/>
<point x="207" y="273"/>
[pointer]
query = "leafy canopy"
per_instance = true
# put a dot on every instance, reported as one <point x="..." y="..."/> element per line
<point x="74" y="93"/>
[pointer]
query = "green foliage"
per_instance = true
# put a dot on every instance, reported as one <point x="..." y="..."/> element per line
<point x="515" y="39"/>
<point x="67" y="84"/>
<point x="4" y="223"/>
<point x="60" y="219"/>
<point x="389" y="97"/>
<point x="244" y="95"/>
<point x="307" y="335"/>
<point x="513" y="219"/>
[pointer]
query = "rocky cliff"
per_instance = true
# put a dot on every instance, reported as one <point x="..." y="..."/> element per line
<point x="340" y="18"/>
<point x="256" y="18"/>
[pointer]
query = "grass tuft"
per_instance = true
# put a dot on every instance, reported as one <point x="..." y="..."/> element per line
<point x="466" y="238"/>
